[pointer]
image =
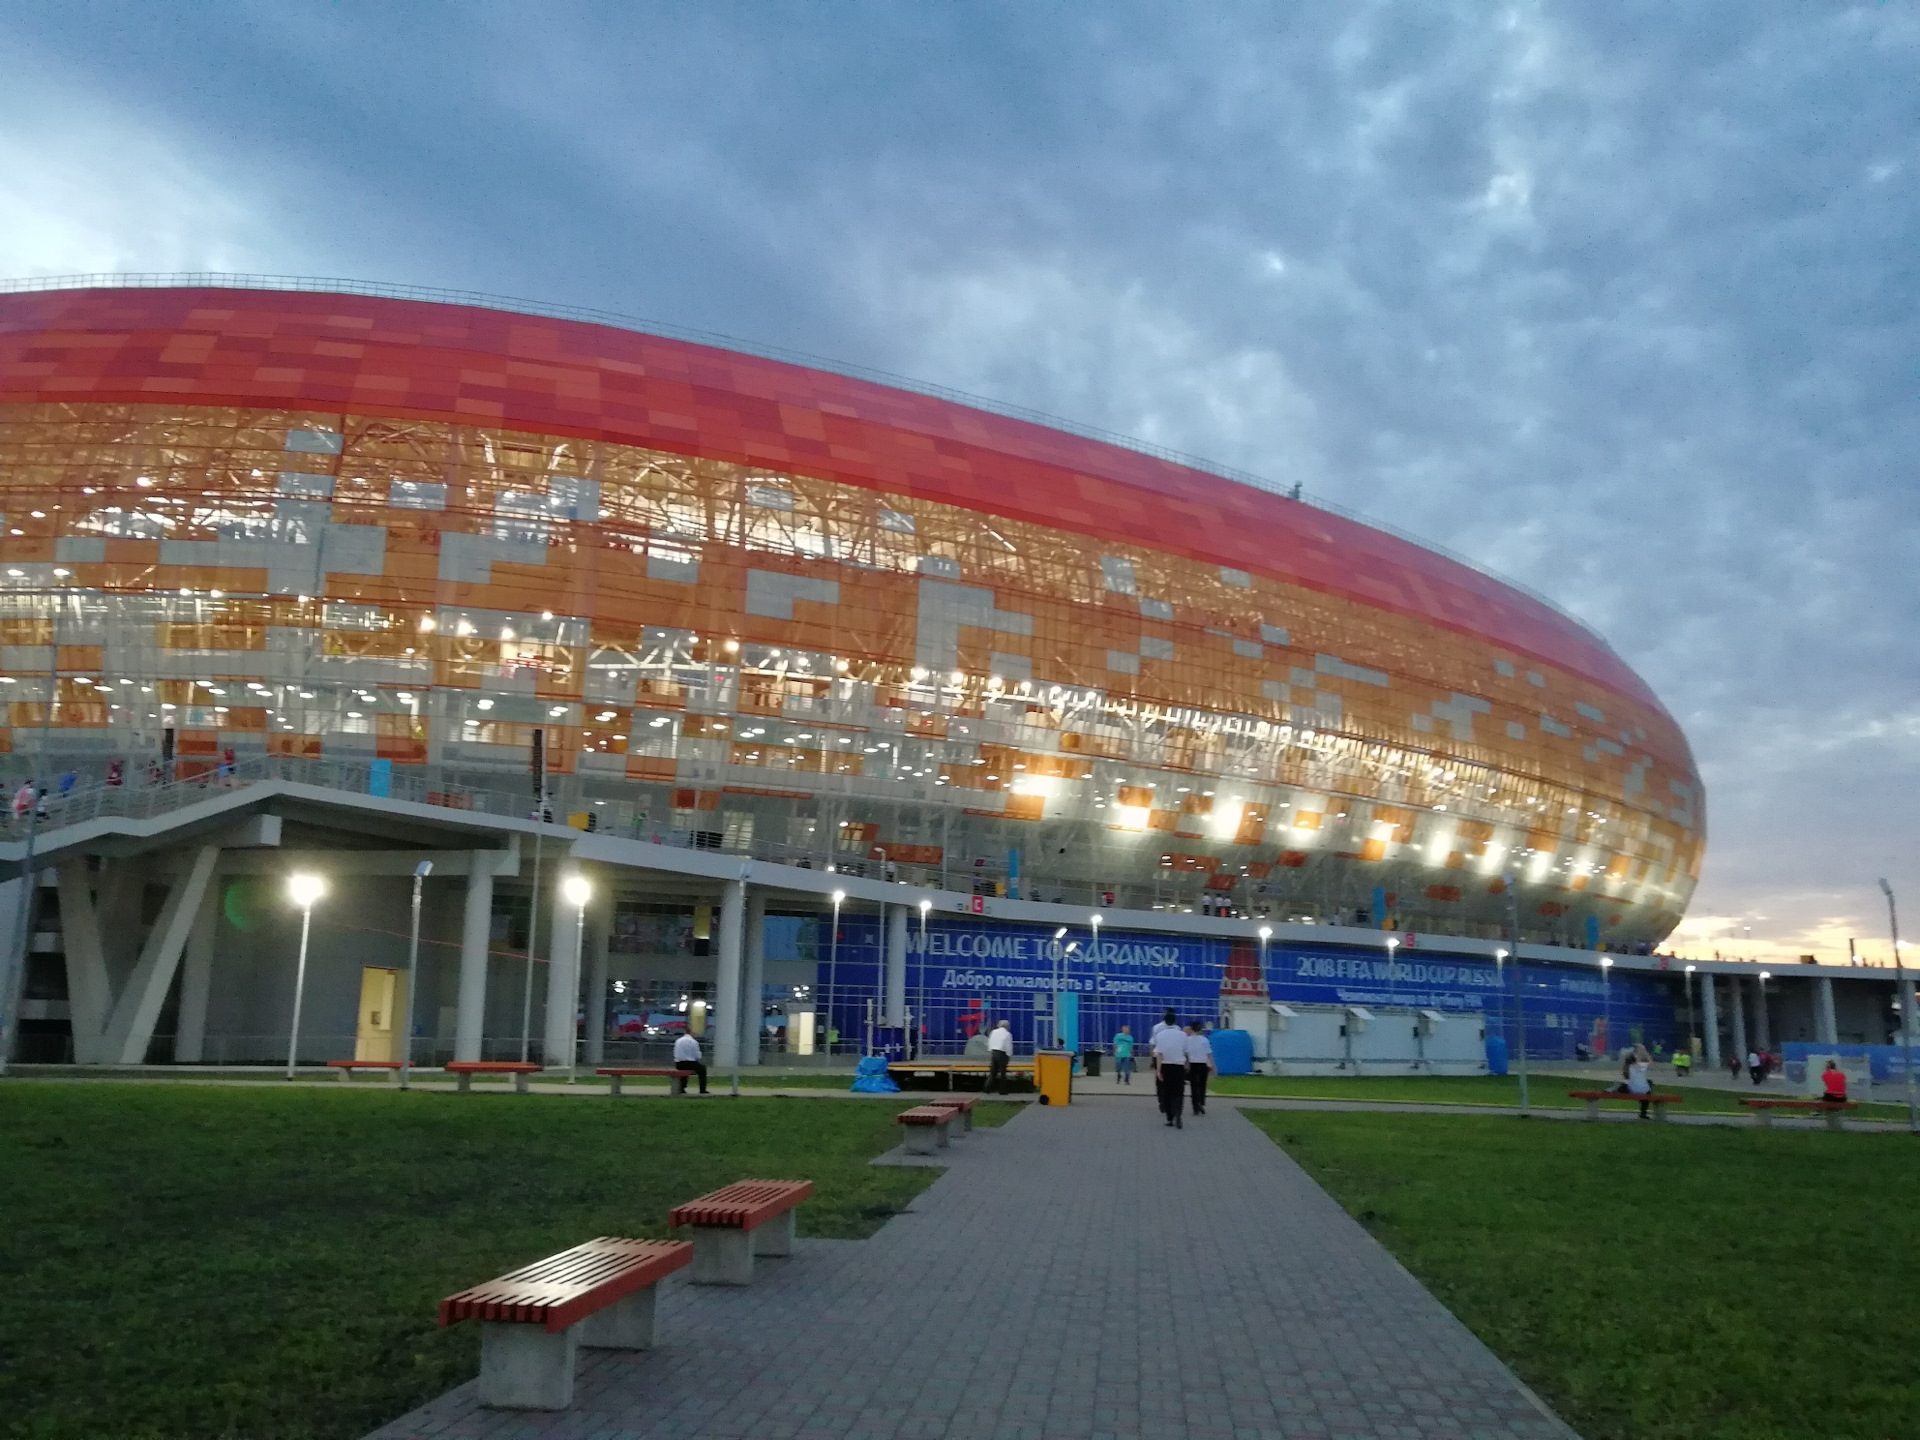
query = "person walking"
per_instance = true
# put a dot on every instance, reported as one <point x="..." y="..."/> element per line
<point x="1170" y="1071"/>
<point x="1199" y="1065"/>
<point x="1754" y="1069"/>
<point x="1164" y="1024"/>
<point x="1123" y="1056"/>
<point x="999" y="1053"/>
<point x="687" y="1059"/>
<point x="1639" y="1085"/>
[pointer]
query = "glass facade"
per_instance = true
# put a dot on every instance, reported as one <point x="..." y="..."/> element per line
<point x="759" y="656"/>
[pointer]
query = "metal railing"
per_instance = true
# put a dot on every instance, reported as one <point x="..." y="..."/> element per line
<point x="307" y="284"/>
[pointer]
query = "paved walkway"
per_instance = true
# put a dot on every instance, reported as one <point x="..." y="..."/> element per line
<point x="1078" y="1272"/>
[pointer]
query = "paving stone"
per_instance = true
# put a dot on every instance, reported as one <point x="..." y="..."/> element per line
<point x="1081" y="1271"/>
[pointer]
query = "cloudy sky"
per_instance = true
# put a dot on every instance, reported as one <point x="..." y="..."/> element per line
<point x="1617" y="299"/>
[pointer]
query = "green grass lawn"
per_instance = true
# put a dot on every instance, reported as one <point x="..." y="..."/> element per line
<point x="1655" y="1282"/>
<point x="237" y="1261"/>
<point x="1547" y="1092"/>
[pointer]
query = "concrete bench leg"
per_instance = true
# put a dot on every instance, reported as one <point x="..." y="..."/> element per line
<point x="941" y="1134"/>
<point x="465" y="1083"/>
<point x="1833" y="1120"/>
<point x="776" y="1236"/>
<point x="393" y="1077"/>
<point x="519" y="1082"/>
<point x="1593" y="1109"/>
<point x="1765" y="1117"/>
<point x="523" y="1367"/>
<point x="345" y="1074"/>
<point x="722" y="1255"/>
<point x="921" y="1140"/>
<point x="1660" y="1112"/>
<point x="613" y="1085"/>
<point x="624" y="1325"/>
<point x="677" y="1084"/>
<point x="965" y="1121"/>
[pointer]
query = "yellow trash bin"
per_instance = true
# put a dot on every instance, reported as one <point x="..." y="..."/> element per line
<point x="1053" y="1076"/>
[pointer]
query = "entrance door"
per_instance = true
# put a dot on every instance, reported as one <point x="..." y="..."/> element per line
<point x="378" y="988"/>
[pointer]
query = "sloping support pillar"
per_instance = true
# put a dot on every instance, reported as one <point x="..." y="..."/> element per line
<point x="895" y="1015"/>
<point x="725" y="1023"/>
<point x="89" y="994"/>
<point x="599" y="926"/>
<point x="753" y="983"/>
<point x="1710" y="1020"/>
<point x="1826" y="1027"/>
<point x="131" y="1028"/>
<point x="196" y="982"/>
<point x="476" y="934"/>
<point x="563" y="978"/>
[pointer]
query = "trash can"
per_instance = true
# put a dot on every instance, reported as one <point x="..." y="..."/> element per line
<point x="1053" y="1076"/>
<point x="1090" y="1063"/>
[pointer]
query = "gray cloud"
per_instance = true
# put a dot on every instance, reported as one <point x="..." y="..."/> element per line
<point x="1619" y="299"/>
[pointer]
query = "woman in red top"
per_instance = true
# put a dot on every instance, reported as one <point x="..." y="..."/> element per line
<point x="1835" y="1081"/>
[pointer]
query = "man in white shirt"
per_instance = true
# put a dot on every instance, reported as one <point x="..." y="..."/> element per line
<point x="1170" y="1070"/>
<point x="999" y="1052"/>
<point x="686" y="1059"/>
<point x="1199" y="1065"/>
<point x="1166" y="1022"/>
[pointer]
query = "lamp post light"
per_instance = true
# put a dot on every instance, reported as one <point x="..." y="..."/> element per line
<point x="833" y="967"/>
<point x="1266" y="934"/>
<point x="920" y="1009"/>
<point x="1606" y="1001"/>
<point x="1510" y="883"/>
<point x="303" y="890"/>
<point x="1906" y="1008"/>
<point x="1093" y="924"/>
<point x="420" y="873"/>
<point x="577" y="890"/>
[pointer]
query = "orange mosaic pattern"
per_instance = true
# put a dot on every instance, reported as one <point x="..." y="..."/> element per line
<point x="318" y="582"/>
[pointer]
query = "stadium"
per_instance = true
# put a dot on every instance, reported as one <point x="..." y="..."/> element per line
<point x="555" y="572"/>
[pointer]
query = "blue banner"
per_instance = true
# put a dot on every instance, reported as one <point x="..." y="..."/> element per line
<point x="965" y="974"/>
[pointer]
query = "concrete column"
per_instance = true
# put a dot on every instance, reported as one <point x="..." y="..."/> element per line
<point x="724" y="1022"/>
<point x="1826" y="1029"/>
<point x="1762" y="1031"/>
<point x="599" y="928"/>
<point x="196" y="981"/>
<point x="89" y="993"/>
<point x="754" y="983"/>
<point x="896" y="991"/>
<point x="1737" y="1006"/>
<point x="563" y="978"/>
<point x="1710" y="1022"/>
<point x="1909" y="1021"/>
<point x="476" y="933"/>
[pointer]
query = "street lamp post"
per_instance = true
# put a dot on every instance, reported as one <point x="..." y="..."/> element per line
<point x="1760" y="1019"/>
<point x="1906" y="1007"/>
<point x="1693" y="1040"/>
<point x="833" y="967"/>
<point x="578" y="891"/>
<point x="1059" y="972"/>
<point x="1606" y="1000"/>
<point x="919" y="1026"/>
<point x="420" y="873"/>
<point x="1511" y="883"/>
<point x="1099" y="980"/>
<point x="303" y="890"/>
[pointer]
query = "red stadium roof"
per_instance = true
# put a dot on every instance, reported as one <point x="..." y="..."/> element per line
<point x="370" y="355"/>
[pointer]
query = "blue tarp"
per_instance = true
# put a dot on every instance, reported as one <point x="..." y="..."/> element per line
<point x="872" y="1078"/>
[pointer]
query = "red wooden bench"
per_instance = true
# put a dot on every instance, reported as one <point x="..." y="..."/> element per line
<point x="1763" y="1109"/>
<point x="616" y="1073"/>
<point x="736" y="1223"/>
<point x="533" y="1320"/>
<point x="345" y="1068"/>
<point x="1594" y="1097"/>
<point x="927" y="1127"/>
<point x="467" y="1069"/>
<point x="962" y="1108"/>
